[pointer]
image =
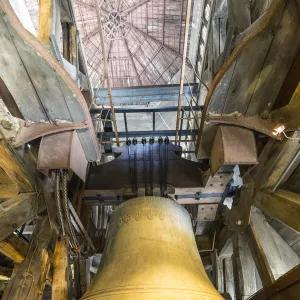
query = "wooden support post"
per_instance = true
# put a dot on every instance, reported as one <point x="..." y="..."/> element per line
<point x="244" y="270"/>
<point x="29" y="278"/>
<point x="282" y="205"/>
<point x="60" y="284"/>
<point x="218" y="273"/>
<point x="82" y="271"/>
<point x="17" y="211"/>
<point x="49" y="20"/>
<point x="14" y="169"/>
<point x="14" y="248"/>
<point x="229" y="278"/>
<point x="272" y="255"/>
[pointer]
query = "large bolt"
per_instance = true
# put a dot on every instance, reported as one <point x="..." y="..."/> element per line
<point x="6" y="124"/>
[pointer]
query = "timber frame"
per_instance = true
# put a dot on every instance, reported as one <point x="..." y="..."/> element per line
<point x="47" y="154"/>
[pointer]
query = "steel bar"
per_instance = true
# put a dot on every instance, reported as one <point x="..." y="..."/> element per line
<point x="124" y="134"/>
<point x="106" y="75"/>
<point x="171" y="141"/>
<point x="144" y="94"/>
<point x="156" y="109"/>
<point x="186" y="35"/>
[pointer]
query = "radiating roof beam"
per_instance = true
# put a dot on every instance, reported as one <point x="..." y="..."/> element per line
<point x="158" y="42"/>
<point x="134" y="7"/>
<point x="133" y="64"/>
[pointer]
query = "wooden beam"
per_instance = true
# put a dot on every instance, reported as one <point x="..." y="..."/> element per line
<point x="287" y="287"/>
<point x="45" y="20"/>
<point x="244" y="270"/>
<point x="259" y="256"/>
<point x="275" y="256"/>
<point x="14" y="248"/>
<point x="60" y="284"/>
<point x="5" y="273"/>
<point x="282" y="205"/>
<point x="29" y="278"/>
<point x="17" y="211"/>
<point x="14" y="169"/>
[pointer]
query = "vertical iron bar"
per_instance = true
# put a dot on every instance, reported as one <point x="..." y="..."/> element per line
<point x="186" y="35"/>
<point x="125" y="121"/>
<point x="106" y="75"/>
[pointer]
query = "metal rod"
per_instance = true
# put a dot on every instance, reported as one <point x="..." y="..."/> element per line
<point x="186" y="35"/>
<point x="98" y="12"/>
<point x="150" y="133"/>
<point x="119" y="110"/>
<point x="171" y="141"/>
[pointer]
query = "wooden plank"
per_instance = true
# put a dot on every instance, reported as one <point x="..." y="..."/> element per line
<point x="287" y="286"/>
<point x="8" y="190"/>
<point x="274" y="160"/>
<point x="218" y="272"/>
<point x="45" y="20"/>
<point x="74" y="100"/>
<point x="60" y="284"/>
<point x="14" y="169"/>
<point x="281" y="55"/>
<point x="249" y="67"/>
<point x="229" y="277"/>
<point x="238" y="20"/>
<point x="17" y="211"/>
<point x="259" y="256"/>
<point x="14" y="248"/>
<point x="277" y="253"/>
<point x="244" y="269"/>
<point x="43" y="79"/>
<point x="29" y="278"/>
<point x="281" y="204"/>
<point x="11" y="71"/>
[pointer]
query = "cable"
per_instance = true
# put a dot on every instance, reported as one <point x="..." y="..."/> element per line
<point x="197" y="75"/>
<point x="67" y="210"/>
<point x="58" y="203"/>
<point x="290" y="138"/>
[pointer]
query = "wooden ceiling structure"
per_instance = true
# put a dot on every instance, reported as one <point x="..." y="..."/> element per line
<point x="54" y="210"/>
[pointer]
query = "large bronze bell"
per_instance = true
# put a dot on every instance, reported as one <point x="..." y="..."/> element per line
<point x="151" y="253"/>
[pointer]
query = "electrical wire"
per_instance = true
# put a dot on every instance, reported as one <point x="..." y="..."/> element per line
<point x="289" y="138"/>
<point x="197" y="75"/>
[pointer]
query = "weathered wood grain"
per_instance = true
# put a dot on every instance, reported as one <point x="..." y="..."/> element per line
<point x="17" y="211"/>
<point x="277" y="253"/>
<point x="14" y="248"/>
<point x="282" y="205"/>
<point x="281" y="55"/>
<point x="60" y="284"/>
<point x="14" y="169"/>
<point x="29" y="278"/>
<point x="11" y="71"/>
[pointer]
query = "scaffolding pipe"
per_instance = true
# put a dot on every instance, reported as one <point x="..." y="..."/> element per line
<point x="98" y="12"/>
<point x="186" y="37"/>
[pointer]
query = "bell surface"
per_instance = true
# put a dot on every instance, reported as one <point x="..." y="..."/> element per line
<point x="151" y="253"/>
